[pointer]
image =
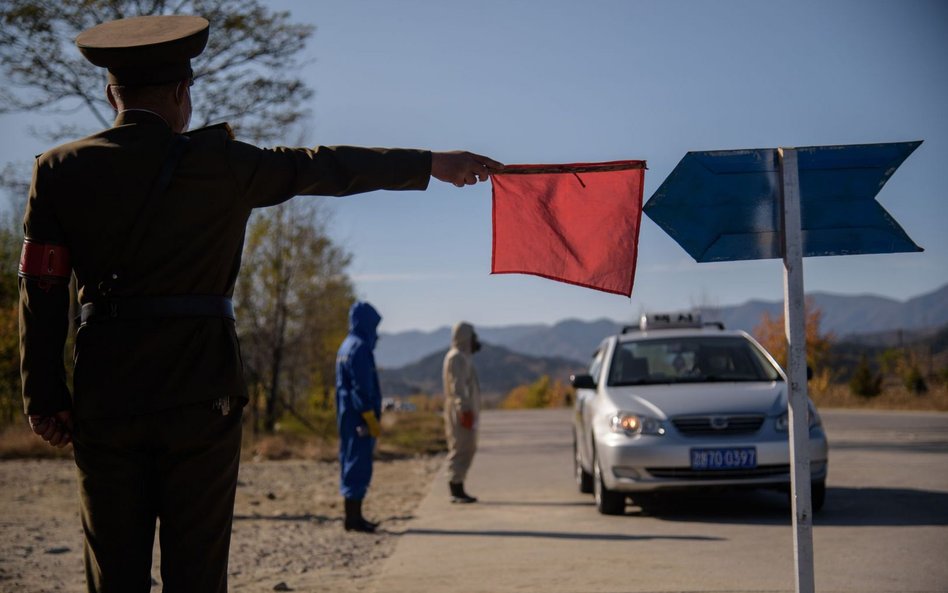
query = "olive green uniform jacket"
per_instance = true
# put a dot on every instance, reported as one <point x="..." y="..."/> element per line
<point x="86" y="194"/>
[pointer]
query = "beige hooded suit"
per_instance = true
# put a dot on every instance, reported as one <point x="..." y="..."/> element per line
<point x="462" y="393"/>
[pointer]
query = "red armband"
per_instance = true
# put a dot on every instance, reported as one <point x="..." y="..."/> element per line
<point x="45" y="262"/>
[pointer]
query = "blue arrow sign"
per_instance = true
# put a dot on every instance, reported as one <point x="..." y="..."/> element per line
<point x="725" y="205"/>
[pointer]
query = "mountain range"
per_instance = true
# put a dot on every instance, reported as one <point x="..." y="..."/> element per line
<point x="499" y="370"/>
<point x="573" y="340"/>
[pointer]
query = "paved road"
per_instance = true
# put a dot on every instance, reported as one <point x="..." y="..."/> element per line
<point x="884" y="527"/>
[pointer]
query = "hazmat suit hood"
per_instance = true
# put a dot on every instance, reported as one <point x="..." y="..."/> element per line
<point x="462" y="337"/>
<point x="364" y="322"/>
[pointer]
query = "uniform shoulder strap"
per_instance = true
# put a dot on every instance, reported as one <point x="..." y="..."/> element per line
<point x="221" y="127"/>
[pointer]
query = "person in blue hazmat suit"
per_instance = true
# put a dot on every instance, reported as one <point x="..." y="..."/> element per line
<point x="358" y="409"/>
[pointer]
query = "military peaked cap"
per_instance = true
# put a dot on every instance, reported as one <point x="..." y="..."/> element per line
<point x="145" y="50"/>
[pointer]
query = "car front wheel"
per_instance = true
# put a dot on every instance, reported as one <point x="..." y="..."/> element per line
<point x="608" y="502"/>
<point x="817" y="495"/>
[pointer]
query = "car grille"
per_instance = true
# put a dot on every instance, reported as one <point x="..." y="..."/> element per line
<point x="700" y="426"/>
<point x="684" y="473"/>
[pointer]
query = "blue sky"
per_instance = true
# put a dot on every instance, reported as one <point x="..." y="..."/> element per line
<point x="566" y="81"/>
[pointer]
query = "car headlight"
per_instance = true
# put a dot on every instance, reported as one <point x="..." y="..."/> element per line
<point x="783" y="420"/>
<point x="633" y="424"/>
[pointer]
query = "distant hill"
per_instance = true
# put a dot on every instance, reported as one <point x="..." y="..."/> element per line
<point x="398" y="349"/>
<point x="573" y="339"/>
<point x="498" y="369"/>
<point x="847" y="315"/>
<point x="570" y="339"/>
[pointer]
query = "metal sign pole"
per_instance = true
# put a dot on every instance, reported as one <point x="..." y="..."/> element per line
<point x="795" y="325"/>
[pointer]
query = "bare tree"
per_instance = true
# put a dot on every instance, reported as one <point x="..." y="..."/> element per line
<point x="246" y="76"/>
<point x="293" y="295"/>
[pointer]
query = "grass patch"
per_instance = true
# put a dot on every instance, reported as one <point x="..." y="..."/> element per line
<point x="893" y="397"/>
<point x="404" y="434"/>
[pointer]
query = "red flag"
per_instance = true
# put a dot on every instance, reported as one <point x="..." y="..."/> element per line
<point x="574" y="223"/>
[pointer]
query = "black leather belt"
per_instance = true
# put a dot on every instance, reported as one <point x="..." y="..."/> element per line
<point x="164" y="306"/>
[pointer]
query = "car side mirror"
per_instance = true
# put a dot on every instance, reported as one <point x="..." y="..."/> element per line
<point x="582" y="381"/>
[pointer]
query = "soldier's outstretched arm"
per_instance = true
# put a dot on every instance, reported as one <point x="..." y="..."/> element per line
<point x="461" y="167"/>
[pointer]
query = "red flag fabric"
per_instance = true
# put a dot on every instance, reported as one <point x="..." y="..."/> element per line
<point x="576" y="223"/>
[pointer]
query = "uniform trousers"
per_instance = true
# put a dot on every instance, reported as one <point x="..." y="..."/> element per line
<point x="177" y="467"/>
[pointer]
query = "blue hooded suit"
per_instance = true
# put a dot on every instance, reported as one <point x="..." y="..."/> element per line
<point x="357" y="392"/>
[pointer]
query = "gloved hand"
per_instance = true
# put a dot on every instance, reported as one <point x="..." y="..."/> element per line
<point x="375" y="429"/>
<point x="467" y="419"/>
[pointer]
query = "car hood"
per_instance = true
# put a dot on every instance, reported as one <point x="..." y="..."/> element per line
<point x="666" y="401"/>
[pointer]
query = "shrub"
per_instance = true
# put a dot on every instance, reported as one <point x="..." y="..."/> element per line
<point x="914" y="381"/>
<point x="543" y="393"/>
<point x="865" y="382"/>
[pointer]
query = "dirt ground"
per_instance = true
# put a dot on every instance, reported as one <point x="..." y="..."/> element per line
<point x="287" y="536"/>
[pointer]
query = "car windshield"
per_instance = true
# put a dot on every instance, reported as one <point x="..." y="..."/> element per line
<point x="689" y="359"/>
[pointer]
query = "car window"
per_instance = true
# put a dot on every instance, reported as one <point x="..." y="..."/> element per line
<point x="689" y="359"/>
<point x="595" y="367"/>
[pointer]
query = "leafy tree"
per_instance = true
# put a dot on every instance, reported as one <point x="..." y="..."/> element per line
<point x="542" y="393"/>
<point x="246" y="76"/>
<point x="11" y="240"/>
<point x="771" y="334"/>
<point x="914" y="381"/>
<point x="293" y="296"/>
<point x="10" y="402"/>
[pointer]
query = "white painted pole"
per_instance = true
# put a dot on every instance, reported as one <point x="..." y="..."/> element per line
<point x="795" y="325"/>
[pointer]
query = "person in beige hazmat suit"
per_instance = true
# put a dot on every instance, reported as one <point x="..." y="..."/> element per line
<point x="462" y="406"/>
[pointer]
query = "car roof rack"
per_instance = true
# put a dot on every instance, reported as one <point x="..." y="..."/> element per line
<point x="670" y="321"/>
<point x="676" y="320"/>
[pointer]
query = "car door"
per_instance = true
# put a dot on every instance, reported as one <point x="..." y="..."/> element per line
<point x="584" y="407"/>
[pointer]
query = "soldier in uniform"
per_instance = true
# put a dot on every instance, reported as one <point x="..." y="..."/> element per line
<point x="151" y="221"/>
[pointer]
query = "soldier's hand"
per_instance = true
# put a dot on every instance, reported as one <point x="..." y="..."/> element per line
<point x="55" y="429"/>
<point x="462" y="168"/>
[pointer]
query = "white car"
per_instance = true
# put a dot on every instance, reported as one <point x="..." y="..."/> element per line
<point x="675" y="403"/>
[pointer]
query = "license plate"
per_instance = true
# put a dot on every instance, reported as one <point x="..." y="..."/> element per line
<point x="731" y="458"/>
